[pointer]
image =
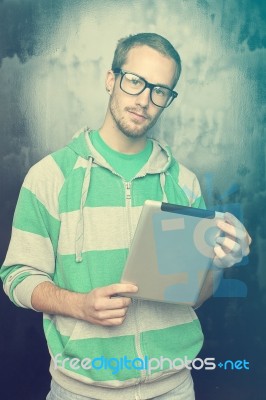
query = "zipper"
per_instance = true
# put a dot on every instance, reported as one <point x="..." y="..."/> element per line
<point x="135" y="302"/>
<point x="128" y="191"/>
<point x="143" y="372"/>
<point x="128" y="210"/>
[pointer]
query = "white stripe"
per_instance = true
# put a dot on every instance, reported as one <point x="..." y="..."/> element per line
<point x="151" y="316"/>
<point x="157" y="316"/>
<point x="30" y="249"/>
<point x="23" y="291"/>
<point x="105" y="228"/>
<point x="45" y="180"/>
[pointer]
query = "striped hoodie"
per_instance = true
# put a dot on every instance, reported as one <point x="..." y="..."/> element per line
<point x="73" y="225"/>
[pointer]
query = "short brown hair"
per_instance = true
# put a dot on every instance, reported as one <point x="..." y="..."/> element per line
<point x="153" y="40"/>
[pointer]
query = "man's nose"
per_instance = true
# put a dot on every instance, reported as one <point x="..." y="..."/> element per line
<point x="143" y="99"/>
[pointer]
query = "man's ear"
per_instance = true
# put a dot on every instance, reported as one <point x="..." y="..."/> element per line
<point x="110" y="81"/>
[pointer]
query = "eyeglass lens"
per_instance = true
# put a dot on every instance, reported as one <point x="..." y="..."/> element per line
<point x="133" y="84"/>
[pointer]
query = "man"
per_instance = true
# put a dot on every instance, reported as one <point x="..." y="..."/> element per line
<point x="74" y="221"/>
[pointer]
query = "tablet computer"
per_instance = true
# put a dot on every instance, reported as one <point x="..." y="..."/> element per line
<point x="171" y="252"/>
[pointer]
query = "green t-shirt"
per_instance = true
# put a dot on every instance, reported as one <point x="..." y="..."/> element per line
<point x="126" y="165"/>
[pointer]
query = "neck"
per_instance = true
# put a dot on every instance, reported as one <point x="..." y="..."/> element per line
<point x="117" y="140"/>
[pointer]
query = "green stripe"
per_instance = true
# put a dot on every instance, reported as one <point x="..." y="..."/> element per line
<point x="6" y="270"/>
<point x="106" y="189"/>
<point x="98" y="268"/>
<point x="199" y="203"/>
<point x="70" y="195"/>
<point x="178" y="341"/>
<point x="144" y="188"/>
<point x="31" y="216"/>
<point x="66" y="159"/>
<point x="149" y="187"/>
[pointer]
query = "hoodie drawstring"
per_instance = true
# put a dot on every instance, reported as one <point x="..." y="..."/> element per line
<point x="162" y="182"/>
<point x="80" y="225"/>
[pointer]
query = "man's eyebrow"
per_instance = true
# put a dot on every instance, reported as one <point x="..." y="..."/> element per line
<point x="162" y="85"/>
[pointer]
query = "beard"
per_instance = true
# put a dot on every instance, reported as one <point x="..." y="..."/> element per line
<point x="136" y="129"/>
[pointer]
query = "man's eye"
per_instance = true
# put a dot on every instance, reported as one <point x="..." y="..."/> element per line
<point x="160" y="91"/>
<point x="134" y="80"/>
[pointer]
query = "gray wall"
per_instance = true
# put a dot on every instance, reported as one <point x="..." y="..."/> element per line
<point x="53" y="60"/>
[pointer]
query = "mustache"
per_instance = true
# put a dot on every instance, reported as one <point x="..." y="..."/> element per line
<point x="140" y="111"/>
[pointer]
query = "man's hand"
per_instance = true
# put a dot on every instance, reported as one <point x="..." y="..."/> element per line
<point x="229" y="250"/>
<point x="234" y="245"/>
<point x="101" y="306"/>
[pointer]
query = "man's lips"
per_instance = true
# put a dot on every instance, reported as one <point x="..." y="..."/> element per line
<point x="138" y="114"/>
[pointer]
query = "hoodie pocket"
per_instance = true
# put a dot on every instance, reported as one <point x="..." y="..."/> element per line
<point x="60" y="333"/>
<point x="71" y="345"/>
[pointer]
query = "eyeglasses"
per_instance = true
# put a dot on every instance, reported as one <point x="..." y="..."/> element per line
<point x="133" y="84"/>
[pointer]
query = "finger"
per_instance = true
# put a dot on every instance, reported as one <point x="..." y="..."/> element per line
<point x="227" y="228"/>
<point x="229" y="245"/>
<point x="112" y="322"/>
<point x="119" y="302"/>
<point x="231" y="219"/>
<point x="112" y="314"/>
<point x="111" y="303"/>
<point x="117" y="288"/>
<point x="224" y="260"/>
<point x="107" y="322"/>
<point x="239" y="235"/>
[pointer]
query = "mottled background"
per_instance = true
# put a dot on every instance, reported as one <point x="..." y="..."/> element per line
<point x="53" y="59"/>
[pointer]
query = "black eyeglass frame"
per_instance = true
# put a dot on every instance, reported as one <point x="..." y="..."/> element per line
<point x="149" y="85"/>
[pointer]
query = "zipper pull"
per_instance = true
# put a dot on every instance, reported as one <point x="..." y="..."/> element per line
<point x="128" y="193"/>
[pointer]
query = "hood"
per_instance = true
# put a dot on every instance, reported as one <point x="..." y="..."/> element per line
<point x="79" y="143"/>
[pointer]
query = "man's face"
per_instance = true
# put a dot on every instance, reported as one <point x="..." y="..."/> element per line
<point x="134" y="115"/>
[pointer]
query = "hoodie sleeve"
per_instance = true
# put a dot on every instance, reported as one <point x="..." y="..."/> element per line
<point x="30" y="258"/>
